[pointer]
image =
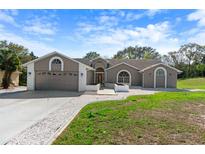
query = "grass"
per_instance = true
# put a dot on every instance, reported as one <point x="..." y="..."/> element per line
<point x="162" y="118"/>
<point x="193" y="83"/>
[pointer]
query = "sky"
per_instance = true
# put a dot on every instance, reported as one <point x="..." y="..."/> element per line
<point x="76" y="32"/>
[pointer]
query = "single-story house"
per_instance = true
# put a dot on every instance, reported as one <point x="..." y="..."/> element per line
<point x="56" y="71"/>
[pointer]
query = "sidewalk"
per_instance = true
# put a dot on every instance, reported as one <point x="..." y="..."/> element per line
<point x="12" y="90"/>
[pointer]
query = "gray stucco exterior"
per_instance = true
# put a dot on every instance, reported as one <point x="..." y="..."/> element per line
<point x="99" y="62"/>
<point x="148" y="74"/>
<point x="56" y="80"/>
<point x="74" y="75"/>
<point x="90" y="77"/>
<point x="136" y="77"/>
<point x="43" y="64"/>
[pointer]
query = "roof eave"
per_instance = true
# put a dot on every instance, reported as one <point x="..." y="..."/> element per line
<point x="122" y="63"/>
<point x="55" y="52"/>
<point x="149" y="67"/>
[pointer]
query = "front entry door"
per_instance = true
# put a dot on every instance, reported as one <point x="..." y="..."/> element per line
<point x="99" y="78"/>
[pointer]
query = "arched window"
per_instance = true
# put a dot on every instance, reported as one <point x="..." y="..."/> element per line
<point x="160" y="77"/>
<point x="124" y="77"/>
<point x="56" y="64"/>
<point x="160" y="72"/>
<point x="56" y="61"/>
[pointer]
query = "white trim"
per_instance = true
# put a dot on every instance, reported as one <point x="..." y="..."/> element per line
<point x="82" y="75"/>
<point x="30" y="77"/>
<point x="160" y="64"/>
<point x="105" y="75"/>
<point x="56" y="57"/>
<point x="94" y="77"/>
<point x="165" y="74"/>
<point x="130" y="81"/>
<point x="45" y="56"/>
<point x="92" y="87"/>
<point x="121" y="64"/>
<point x="121" y="88"/>
<point x="55" y="52"/>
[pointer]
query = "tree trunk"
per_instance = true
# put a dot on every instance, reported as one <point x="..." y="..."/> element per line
<point x="6" y="79"/>
<point x="189" y="69"/>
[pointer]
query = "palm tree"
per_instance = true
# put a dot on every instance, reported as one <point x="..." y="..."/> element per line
<point x="9" y="62"/>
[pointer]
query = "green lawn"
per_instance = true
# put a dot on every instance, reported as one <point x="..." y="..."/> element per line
<point x="194" y="83"/>
<point x="162" y="118"/>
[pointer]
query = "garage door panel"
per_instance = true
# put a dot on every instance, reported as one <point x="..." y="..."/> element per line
<point x="57" y="81"/>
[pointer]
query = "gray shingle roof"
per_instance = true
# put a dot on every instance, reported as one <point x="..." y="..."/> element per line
<point x="141" y="64"/>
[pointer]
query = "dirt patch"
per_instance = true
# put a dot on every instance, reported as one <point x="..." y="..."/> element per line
<point x="195" y="107"/>
<point x="169" y="126"/>
<point x="197" y="119"/>
<point x="138" y="100"/>
<point x="127" y="104"/>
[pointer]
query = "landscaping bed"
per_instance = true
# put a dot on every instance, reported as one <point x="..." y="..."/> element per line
<point x="162" y="118"/>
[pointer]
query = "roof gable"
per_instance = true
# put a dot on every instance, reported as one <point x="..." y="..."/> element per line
<point x="147" y="68"/>
<point x="123" y="63"/>
<point x="138" y="63"/>
<point x="53" y="53"/>
<point x="100" y="58"/>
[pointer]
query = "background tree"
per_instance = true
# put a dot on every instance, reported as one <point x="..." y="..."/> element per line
<point x="189" y="58"/>
<point x="9" y="62"/>
<point x="173" y="58"/>
<point x="23" y="54"/>
<point x="91" y="55"/>
<point x="137" y="52"/>
<point x="193" y="53"/>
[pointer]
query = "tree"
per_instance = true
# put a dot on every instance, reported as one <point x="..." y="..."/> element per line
<point x="137" y="52"/>
<point x="127" y="53"/>
<point x="23" y="54"/>
<point x="21" y="51"/>
<point x="190" y="59"/>
<point x="9" y="62"/>
<point x="32" y="56"/>
<point x="173" y="58"/>
<point x="193" y="53"/>
<point x="91" y="55"/>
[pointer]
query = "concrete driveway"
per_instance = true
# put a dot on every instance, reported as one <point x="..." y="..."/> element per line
<point x="21" y="110"/>
<point x="37" y="117"/>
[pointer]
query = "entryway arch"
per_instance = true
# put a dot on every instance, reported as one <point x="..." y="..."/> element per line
<point x="160" y="77"/>
<point x="100" y="75"/>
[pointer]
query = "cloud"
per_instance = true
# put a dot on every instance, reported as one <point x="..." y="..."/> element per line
<point x="1" y="27"/>
<point x="158" y="36"/>
<point x="132" y="16"/>
<point x="108" y="20"/>
<point x="7" y="16"/>
<point x="37" y="47"/>
<point x="199" y="16"/>
<point x="14" y="12"/>
<point x="196" y="34"/>
<point x="40" y="25"/>
<point x="152" y="12"/>
<point x="198" y="38"/>
<point x="88" y="27"/>
<point x="148" y="13"/>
